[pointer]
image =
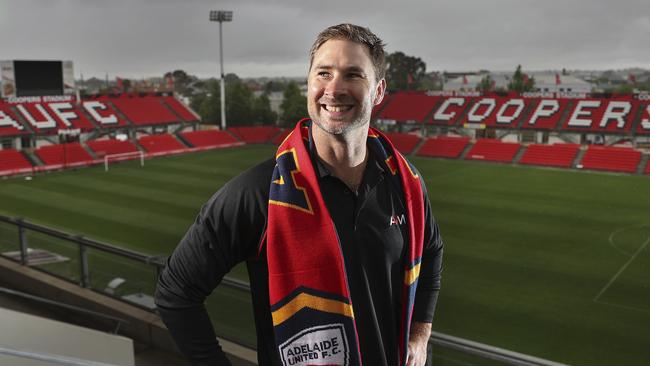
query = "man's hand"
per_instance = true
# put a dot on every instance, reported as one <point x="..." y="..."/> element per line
<point x="417" y="347"/>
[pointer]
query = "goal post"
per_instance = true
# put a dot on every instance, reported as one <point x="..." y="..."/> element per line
<point x="123" y="156"/>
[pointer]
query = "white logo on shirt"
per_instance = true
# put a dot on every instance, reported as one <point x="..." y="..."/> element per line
<point x="397" y="220"/>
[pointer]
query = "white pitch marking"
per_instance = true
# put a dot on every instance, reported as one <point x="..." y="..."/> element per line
<point x="622" y="306"/>
<point x="645" y="244"/>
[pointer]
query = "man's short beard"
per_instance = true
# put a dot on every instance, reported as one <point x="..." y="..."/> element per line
<point x="342" y="130"/>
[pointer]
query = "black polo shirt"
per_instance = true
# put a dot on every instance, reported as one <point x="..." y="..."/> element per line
<point x="229" y="229"/>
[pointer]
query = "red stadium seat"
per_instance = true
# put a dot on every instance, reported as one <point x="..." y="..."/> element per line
<point x="405" y="107"/>
<point x="210" y="138"/>
<point x="616" y="159"/>
<point x="147" y="110"/>
<point x="49" y="117"/>
<point x="643" y="128"/>
<point x="493" y="150"/>
<point x="558" y="155"/>
<point x="66" y="155"/>
<point x="9" y="124"/>
<point x="601" y="115"/>
<point x="545" y="113"/>
<point x="102" y="148"/>
<point x="101" y="110"/>
<point x="451" y="111"/>
<point x="404" y="142"/>
<point x="161" y="143"/>
<point x="443" y="147"/>
<point x="13" y="162"/>
<point x="279" y="138"/>
<point x="255" y="135"/>
<point x="180" y="109"/>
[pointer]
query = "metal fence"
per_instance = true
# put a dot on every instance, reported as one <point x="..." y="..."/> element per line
<point x="131" y="277"/>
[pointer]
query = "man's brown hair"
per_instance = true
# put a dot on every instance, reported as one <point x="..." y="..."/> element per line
<point x="358" y="34"/>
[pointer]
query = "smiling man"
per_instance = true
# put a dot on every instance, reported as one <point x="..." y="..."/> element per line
<point x="343" y="253"/>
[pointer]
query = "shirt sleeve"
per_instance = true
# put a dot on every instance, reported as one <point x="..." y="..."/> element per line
<point x="426" y="294"/>
<point x="226" y="231"/>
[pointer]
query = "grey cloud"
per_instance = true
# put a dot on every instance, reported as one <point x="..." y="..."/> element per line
<point x="148" y="37"/>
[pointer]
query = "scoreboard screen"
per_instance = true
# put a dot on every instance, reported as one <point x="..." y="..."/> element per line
<point x="37" y="78"/>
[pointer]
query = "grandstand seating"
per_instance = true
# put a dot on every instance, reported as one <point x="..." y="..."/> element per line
<point x="617" y="159"/>
<point x="255" y="135"/>
<point x="546" y="113"/>
<point x="409" y="107"/>
<point x="101" y="111"/>
<point x="102" y="148"/>
<point x="13" y="162"/>
<point x="557" y="155"/>
<point x="443" y="147"/>
<point x="376" y="110"/>
<point x="161" y="143"/>
<point x="643" y="128"/>
<point x="70" y="154"/>
<point x="496" y="111"/>
<point x="147" y="110"/>
<point x="277" y="140"/>
<point x="451" y="110"/>
<point x="48" y="117"/>
<point x="493" y="150"/>
<point x="9" y="124"/>
<point x="210" y="138"/>
<point x="592" y="112"/>
<point x="180" y="109"/>
<point x="404" y="142"/>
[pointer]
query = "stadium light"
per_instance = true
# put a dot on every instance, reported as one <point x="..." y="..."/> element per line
<point x="221" y="16"/>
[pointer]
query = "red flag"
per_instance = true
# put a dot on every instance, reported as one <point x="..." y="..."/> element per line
<point x="409" y="79"/>
<point x="465" y="80"/>
<point x="557" y="79"/>
<point x="120" y="83"/>
<point x="525" y="76"/>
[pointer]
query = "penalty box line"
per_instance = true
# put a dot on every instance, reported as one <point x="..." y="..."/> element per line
<point x="622" y="269"/>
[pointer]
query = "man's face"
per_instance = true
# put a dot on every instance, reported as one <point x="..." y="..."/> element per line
<point x="342" y="88"/>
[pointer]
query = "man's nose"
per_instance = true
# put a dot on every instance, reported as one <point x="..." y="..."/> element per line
<point x="336" y="86"/>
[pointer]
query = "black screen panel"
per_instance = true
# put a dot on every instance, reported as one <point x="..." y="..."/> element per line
<point x="36" y="78"/>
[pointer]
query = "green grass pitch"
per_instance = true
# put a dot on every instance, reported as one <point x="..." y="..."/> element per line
<point x="551" y="263"/>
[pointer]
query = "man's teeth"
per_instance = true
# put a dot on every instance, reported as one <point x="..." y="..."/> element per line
<point x="338" y="108"/>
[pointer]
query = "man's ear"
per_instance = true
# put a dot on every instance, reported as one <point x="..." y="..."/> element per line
<point x="380" y="91"/>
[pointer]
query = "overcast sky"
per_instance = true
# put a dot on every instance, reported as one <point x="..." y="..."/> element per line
<point x="138" y="38"/>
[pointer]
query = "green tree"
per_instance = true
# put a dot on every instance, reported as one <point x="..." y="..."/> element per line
<point x="486" y="84"/>
<point x="404" y="72"/>
<point x="521" y="82"/>
<point x="239" y="104"/>
<point x="181" y="80"/>
<point x="208" y="104"/>
<point x="262" y="110"/>
<point x="294" y="105"/>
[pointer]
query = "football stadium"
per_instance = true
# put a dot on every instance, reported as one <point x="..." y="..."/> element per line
<point x="546" y="243"/>
<point x="542" y="198"/>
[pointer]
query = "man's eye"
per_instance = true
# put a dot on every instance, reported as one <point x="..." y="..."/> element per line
<point x="323" y="73"/>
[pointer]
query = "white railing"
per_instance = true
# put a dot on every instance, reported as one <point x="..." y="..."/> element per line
<point x="51" y="358"/>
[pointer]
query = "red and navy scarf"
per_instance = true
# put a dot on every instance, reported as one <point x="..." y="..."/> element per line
<point x="312" y="310"/>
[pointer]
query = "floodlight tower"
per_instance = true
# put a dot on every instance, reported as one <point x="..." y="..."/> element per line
<point x="221" y="16"/>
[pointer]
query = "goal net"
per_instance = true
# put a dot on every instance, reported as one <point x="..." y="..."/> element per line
<point x="113" y="158"/>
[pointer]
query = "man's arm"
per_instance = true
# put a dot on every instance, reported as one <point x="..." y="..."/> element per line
<point x="428" y="288"/>
<point x="417" y="346"/>
<point x="226" y="232"/>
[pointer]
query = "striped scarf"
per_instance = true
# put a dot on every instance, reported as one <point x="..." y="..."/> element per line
<point x="312" y="311"/>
